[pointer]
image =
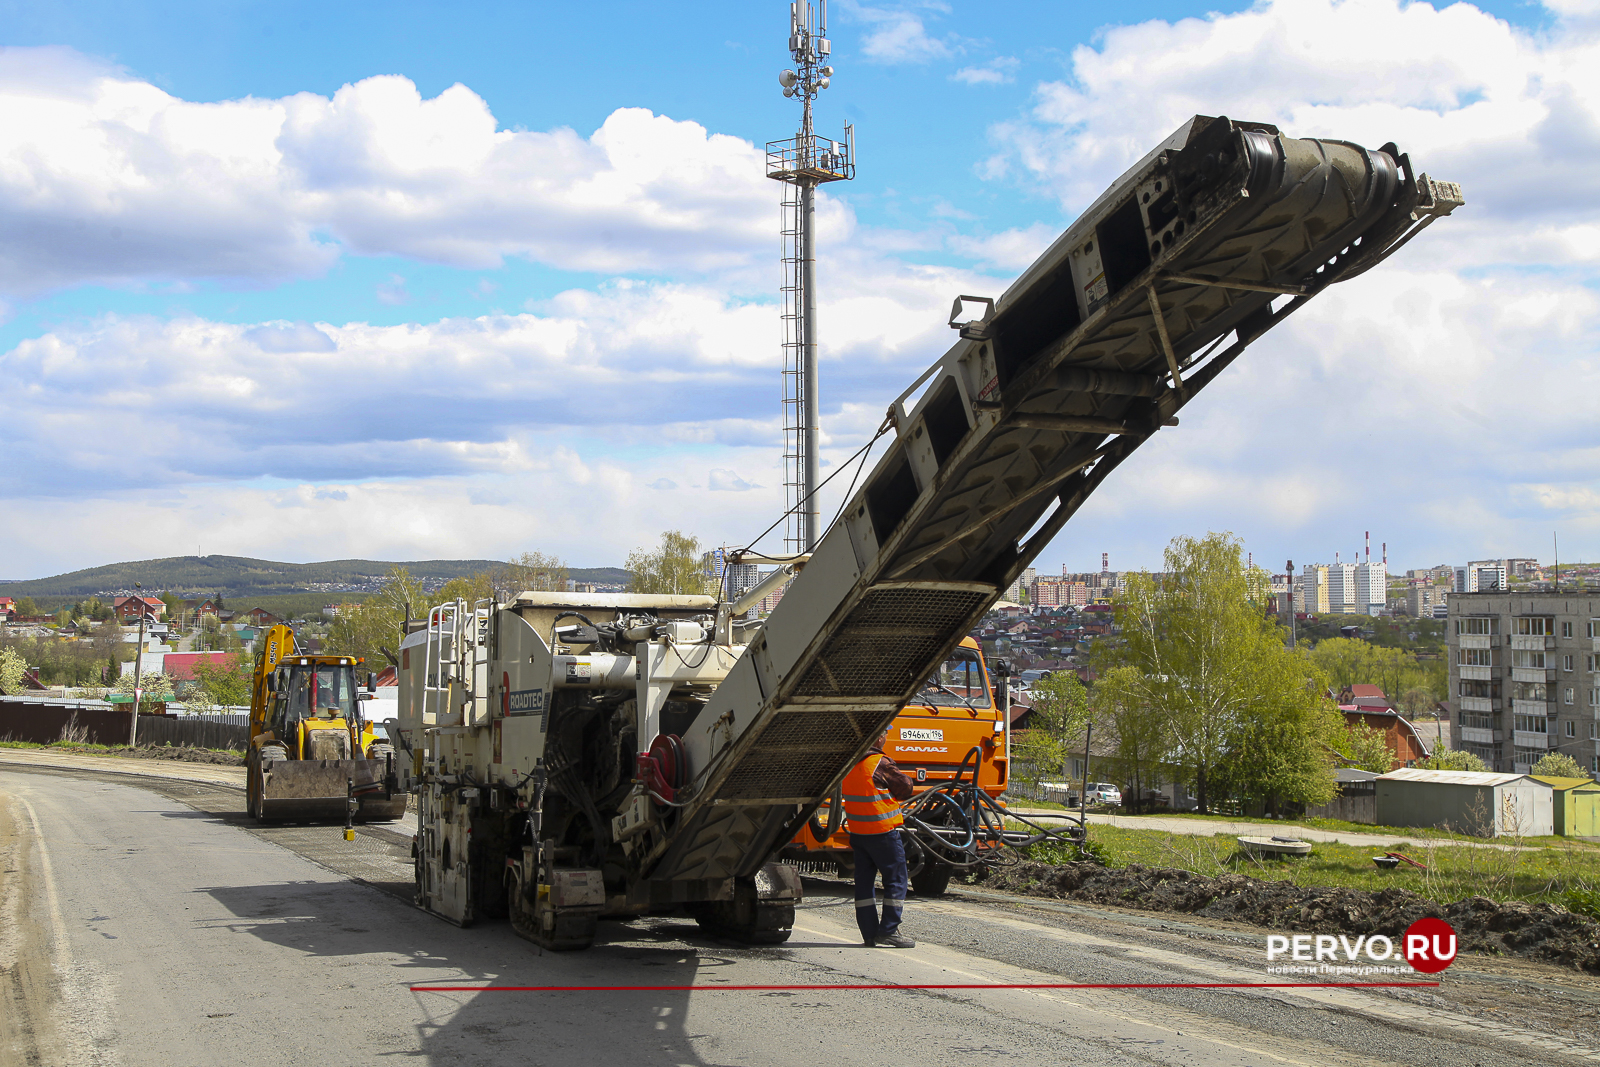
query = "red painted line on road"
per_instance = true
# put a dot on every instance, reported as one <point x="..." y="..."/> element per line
<point x="919" y="985"/>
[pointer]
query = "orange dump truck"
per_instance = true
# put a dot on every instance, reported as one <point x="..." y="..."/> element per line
<point x="930" y="740"/>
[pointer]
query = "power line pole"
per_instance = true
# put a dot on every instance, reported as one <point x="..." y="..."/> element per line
<point x="804" y="162"/>
<point x="138" y="672"/>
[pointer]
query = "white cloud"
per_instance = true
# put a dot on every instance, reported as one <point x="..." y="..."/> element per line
<point x="140" y="401"/>
<point x="393" y="292"/>
<point x="1010" y="250"/>
<point x="1512" y="116"/>
<point x="106" y="178"/>
<point x="998" y="71"/>
<point x="726" y="481"/>
<point x="898" y="34"/>
<point x="1426" y="397"/>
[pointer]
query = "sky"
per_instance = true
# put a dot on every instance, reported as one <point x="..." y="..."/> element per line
<point x="314" y="281"/>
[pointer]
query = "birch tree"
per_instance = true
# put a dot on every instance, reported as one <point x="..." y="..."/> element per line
<point x="1241" y="710"/>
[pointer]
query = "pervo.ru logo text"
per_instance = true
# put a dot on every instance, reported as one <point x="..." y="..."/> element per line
<point x="1428" y="946"/>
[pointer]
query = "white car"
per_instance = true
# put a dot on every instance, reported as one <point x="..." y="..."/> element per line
<point x="1105" y="793"/>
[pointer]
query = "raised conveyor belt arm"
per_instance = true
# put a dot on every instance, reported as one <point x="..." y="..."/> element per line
<point x="1156" y="288"/>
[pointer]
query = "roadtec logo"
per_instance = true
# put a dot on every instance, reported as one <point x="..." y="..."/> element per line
<point x="525" y="702"/>
<point x="1427" y="947"/>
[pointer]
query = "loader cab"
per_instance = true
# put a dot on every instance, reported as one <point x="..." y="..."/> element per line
<point x="320" y="695"/>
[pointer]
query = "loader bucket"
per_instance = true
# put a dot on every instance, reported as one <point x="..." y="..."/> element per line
<point x="318" y="790"/>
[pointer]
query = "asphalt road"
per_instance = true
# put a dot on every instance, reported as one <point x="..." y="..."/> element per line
<point x="145" y="922"/>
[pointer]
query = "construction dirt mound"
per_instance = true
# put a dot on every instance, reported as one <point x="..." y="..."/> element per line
<point x="1537" y="931"/>
<point x="172" y="752"/>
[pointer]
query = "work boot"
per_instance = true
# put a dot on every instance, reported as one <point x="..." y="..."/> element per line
<point x="896" y="940"/>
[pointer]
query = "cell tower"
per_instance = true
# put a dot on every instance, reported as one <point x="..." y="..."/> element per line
<point x="804" y="162"/>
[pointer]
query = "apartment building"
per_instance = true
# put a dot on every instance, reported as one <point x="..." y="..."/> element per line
<point x="1313" y="598"/>
<point x="1342" y="589"/>
<point x="1522" y="676"/>
<point x="1424" y="600"/>
<point x="1372" y="587"/>
<point x="1481" y="576"/>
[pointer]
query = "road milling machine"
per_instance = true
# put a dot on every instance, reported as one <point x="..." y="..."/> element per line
<point x="312" y="753"/>
<point x="579" y="755"/>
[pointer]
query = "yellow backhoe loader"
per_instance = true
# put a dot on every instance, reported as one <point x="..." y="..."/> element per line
<point x="312" y="756"/>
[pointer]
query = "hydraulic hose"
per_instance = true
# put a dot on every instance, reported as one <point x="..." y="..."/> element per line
<point x="958" y="824"/>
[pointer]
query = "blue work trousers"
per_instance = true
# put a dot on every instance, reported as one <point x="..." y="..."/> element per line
<point x="874" y="853"/>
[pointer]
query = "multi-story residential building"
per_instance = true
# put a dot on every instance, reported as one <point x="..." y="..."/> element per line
<point x="1423" y="599"/>
<point x="1481" y="576"/>
<point x="1522" y="676"/>
<point x="1342" y="589"/>
<point x="1372" y="587"/>
<point x="1314" y="589"/>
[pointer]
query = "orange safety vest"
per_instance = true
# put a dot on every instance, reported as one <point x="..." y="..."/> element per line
<point x="868" y="809"/>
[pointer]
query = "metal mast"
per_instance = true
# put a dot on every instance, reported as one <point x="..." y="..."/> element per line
<point x="804" y="162"/>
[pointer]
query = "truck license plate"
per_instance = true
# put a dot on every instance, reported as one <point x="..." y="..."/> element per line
<point x="912" y="733"/>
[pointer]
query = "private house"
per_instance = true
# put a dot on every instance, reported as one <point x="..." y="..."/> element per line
<point x="1367" y="704"/>
<point x="129" y="608"/>
<point x="260" y="618"/>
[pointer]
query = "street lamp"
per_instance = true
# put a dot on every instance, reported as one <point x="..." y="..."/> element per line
<point x="138" y="673"/>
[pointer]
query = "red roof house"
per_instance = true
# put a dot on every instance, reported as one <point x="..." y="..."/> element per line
<point x="179" y="666"/>
<point x="127" y="607"/>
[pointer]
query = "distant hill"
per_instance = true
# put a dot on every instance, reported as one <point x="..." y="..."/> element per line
<point x="239" y="576"/>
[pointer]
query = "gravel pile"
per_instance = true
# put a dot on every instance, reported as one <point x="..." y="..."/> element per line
<point x="1537" y="931"/>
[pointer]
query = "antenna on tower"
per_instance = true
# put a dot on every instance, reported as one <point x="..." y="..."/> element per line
<point x="804" y="162"/>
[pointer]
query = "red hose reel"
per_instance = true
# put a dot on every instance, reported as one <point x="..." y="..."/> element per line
<point x="665" y="768"/>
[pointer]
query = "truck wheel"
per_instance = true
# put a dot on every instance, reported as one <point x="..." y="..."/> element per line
<point x="932" y="880"/>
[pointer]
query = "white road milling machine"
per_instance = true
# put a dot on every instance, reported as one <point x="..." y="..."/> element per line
<point x="583" y="755"/>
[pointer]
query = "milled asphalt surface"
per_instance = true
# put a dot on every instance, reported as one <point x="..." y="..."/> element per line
<point x="182" y="934"/>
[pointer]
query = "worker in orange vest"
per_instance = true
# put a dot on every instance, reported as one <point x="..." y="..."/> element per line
<point x="872" y="792"/>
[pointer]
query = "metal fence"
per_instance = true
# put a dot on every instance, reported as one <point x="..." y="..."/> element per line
<point x="43" y="723"/>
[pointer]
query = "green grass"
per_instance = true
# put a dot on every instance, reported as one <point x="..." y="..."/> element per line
<point x="89" y="749"/>
<point x="1566" y="873"/>
<point x="85" y="746"/>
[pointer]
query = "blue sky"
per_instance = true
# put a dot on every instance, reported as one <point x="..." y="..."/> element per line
<point x="276" y="288"/>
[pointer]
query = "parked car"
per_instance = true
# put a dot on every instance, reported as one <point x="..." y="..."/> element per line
<point x="1105" y="793"/>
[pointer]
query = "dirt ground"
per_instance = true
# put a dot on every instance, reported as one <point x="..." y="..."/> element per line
<point x="168" y="752"/>
<point x="27" y="975"/>
<point x="1535" y="931"/>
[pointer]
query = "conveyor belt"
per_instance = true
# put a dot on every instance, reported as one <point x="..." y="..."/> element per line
<point x="1210" y="241"/>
